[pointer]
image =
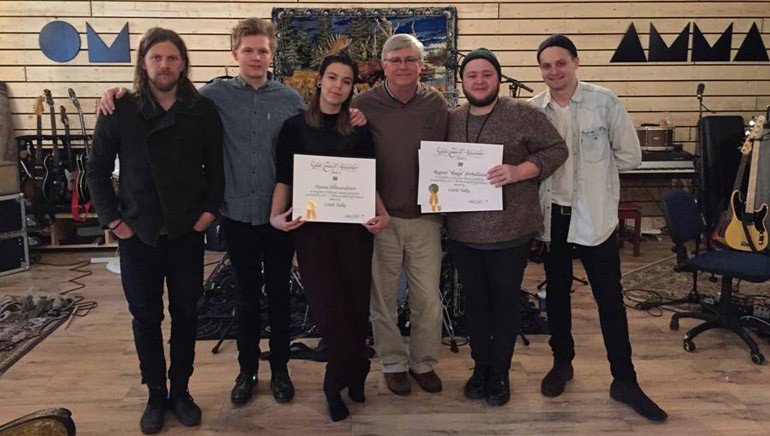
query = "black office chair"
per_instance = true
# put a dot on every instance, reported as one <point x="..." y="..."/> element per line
<point x="685" y="224"/>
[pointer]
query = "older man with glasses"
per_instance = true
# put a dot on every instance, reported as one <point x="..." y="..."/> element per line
<point x="401" y="113"/>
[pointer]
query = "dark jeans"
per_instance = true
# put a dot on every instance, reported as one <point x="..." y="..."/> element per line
<point x="335" y="264"/>
<point x="142" y="270"/>
<point x="602" y="264"/>
<point x="250" y="247"/>
<point x="492" y="283"/>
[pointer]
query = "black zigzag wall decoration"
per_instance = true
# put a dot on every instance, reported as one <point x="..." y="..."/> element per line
<point x="702" y="51"/>
<point x="752" y="49"/>
<point x="630" y="48"/>
<point x="677" y="52"/>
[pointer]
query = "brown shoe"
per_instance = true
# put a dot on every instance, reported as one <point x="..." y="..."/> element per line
<point x="398" y="383"/>
<point x="429" y="381"/>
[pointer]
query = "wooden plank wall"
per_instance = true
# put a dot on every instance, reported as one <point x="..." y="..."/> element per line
<point x="512" y="28"/>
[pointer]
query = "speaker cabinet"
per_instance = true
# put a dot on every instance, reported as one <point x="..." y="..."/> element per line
<point x="14" y="247"/>
<point x="720" y="139"/>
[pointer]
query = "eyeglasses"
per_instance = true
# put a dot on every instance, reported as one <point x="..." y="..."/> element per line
<point x="407" y="61"/>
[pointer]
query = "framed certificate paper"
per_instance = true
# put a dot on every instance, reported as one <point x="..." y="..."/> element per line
<point x="453" y="177"/>
<point x="333" y="189"/>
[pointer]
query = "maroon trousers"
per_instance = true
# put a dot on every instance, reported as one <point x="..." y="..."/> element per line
<point x="335" y="265"/>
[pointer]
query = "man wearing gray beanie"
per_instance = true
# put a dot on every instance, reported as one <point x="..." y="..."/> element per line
<point x="580" y="204"/>
<point x="490" y="248"/>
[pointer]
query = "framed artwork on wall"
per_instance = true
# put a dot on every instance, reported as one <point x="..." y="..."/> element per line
<point x="306" y="35"/>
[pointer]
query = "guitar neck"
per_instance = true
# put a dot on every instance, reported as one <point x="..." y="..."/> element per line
<point x="54" y="136"/>
<point x="39" y="147"/>
<point x="86" y="146"/>
<point x="741" y="172"/>
<point x="751" y="191"/>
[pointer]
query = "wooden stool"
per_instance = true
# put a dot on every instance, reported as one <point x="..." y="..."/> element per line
<point x="628" y="210"/>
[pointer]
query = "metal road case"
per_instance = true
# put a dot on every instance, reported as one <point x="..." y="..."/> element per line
<point x="14" y="247"/>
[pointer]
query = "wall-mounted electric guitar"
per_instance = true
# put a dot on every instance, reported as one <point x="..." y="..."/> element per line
<point x="81" y="186"/>
<point x="33" y="182"/>
<point x="55" y="181"/>
<point x="747" y="230"/>
<point x="69" y="163"/>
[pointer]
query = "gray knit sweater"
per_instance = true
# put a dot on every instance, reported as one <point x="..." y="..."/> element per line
<point x="526" y="135"/>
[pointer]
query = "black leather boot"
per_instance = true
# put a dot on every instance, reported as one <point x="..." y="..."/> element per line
<point x="244" y="386"/>
<point x="498" y="388"/>
<point x="281" y="386"/>
<point x="154" y="415"/>
<point x="182" y="404"/>
<point x="476" y="386"/>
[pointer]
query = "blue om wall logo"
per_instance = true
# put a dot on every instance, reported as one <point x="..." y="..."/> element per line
<point x="60" y="42"/>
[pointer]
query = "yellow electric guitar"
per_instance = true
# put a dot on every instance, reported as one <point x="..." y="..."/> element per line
<point x="747" y="230"/>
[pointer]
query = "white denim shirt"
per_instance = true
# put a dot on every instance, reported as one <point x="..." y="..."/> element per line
<point x="604" y="142"/>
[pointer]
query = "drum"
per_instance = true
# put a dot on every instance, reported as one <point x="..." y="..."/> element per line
<point x="656" y="138"/>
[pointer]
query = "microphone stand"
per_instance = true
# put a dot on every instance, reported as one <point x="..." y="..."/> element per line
<point x="514" y="86"/>
<point x="697" y="179"/>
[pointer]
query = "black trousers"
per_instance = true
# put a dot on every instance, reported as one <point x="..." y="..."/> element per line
<point x="142" y="270"/>
<point x="335" y="264"/>
<point x="602" y="264"/>
<point x="492" y="283"/>
<point x="250" y="247"/>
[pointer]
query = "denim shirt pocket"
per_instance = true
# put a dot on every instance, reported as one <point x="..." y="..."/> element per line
<point x="594" y="144"/>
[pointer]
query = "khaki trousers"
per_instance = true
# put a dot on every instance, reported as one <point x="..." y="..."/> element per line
<point x="413" y="245"/>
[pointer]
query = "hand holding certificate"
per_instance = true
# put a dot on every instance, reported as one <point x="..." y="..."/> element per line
<point x="453" y="177"/>
<point x="333" y="189"/>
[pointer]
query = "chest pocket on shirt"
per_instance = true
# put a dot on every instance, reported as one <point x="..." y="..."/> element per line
<point x="594" y="144"/>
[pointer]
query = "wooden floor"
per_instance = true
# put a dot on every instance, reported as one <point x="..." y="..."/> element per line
<point x="91" y="368"/>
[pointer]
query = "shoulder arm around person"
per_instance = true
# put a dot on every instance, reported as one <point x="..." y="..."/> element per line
<point x="105" y="146"/>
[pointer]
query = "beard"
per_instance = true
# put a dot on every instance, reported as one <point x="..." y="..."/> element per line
<point x="485" y="100"/>
<point x="163" y="86"/>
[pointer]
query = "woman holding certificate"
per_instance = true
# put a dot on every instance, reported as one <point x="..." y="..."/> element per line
<point x="491" y="247"/>
<point x="334" y="258"/>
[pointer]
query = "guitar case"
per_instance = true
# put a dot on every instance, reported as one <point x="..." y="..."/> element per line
<point x="720" y="139"/>
<point x="9" y="150"/>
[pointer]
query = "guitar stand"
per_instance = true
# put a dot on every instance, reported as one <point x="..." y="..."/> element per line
<point x="224" y="334"/>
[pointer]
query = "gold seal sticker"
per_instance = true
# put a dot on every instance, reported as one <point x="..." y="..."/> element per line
<point x="433" y="198"/>
<point x="310" y="207"/>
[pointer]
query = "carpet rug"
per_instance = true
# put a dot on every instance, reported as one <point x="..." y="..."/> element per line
<point x="26" y="320"/>
<point x="660" y="278"/>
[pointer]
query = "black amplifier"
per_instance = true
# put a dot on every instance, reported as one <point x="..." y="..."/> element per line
<point x="14" y="247"/>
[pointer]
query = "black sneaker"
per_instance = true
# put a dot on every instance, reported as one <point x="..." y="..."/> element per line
<point x="281" y="386"/>
<point x="154" y="415"/>
<point x="187" y="412"/>
<point x="630" y="393"/>
<point x="476" y="386"/>
<point x="554" y="382"/>
<point x="498" y="388"/>
<point x="244" y="385"/>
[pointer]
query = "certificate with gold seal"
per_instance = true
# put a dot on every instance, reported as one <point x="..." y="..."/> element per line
<point x="453" y="177"/>
<point x="333" y="189"/>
